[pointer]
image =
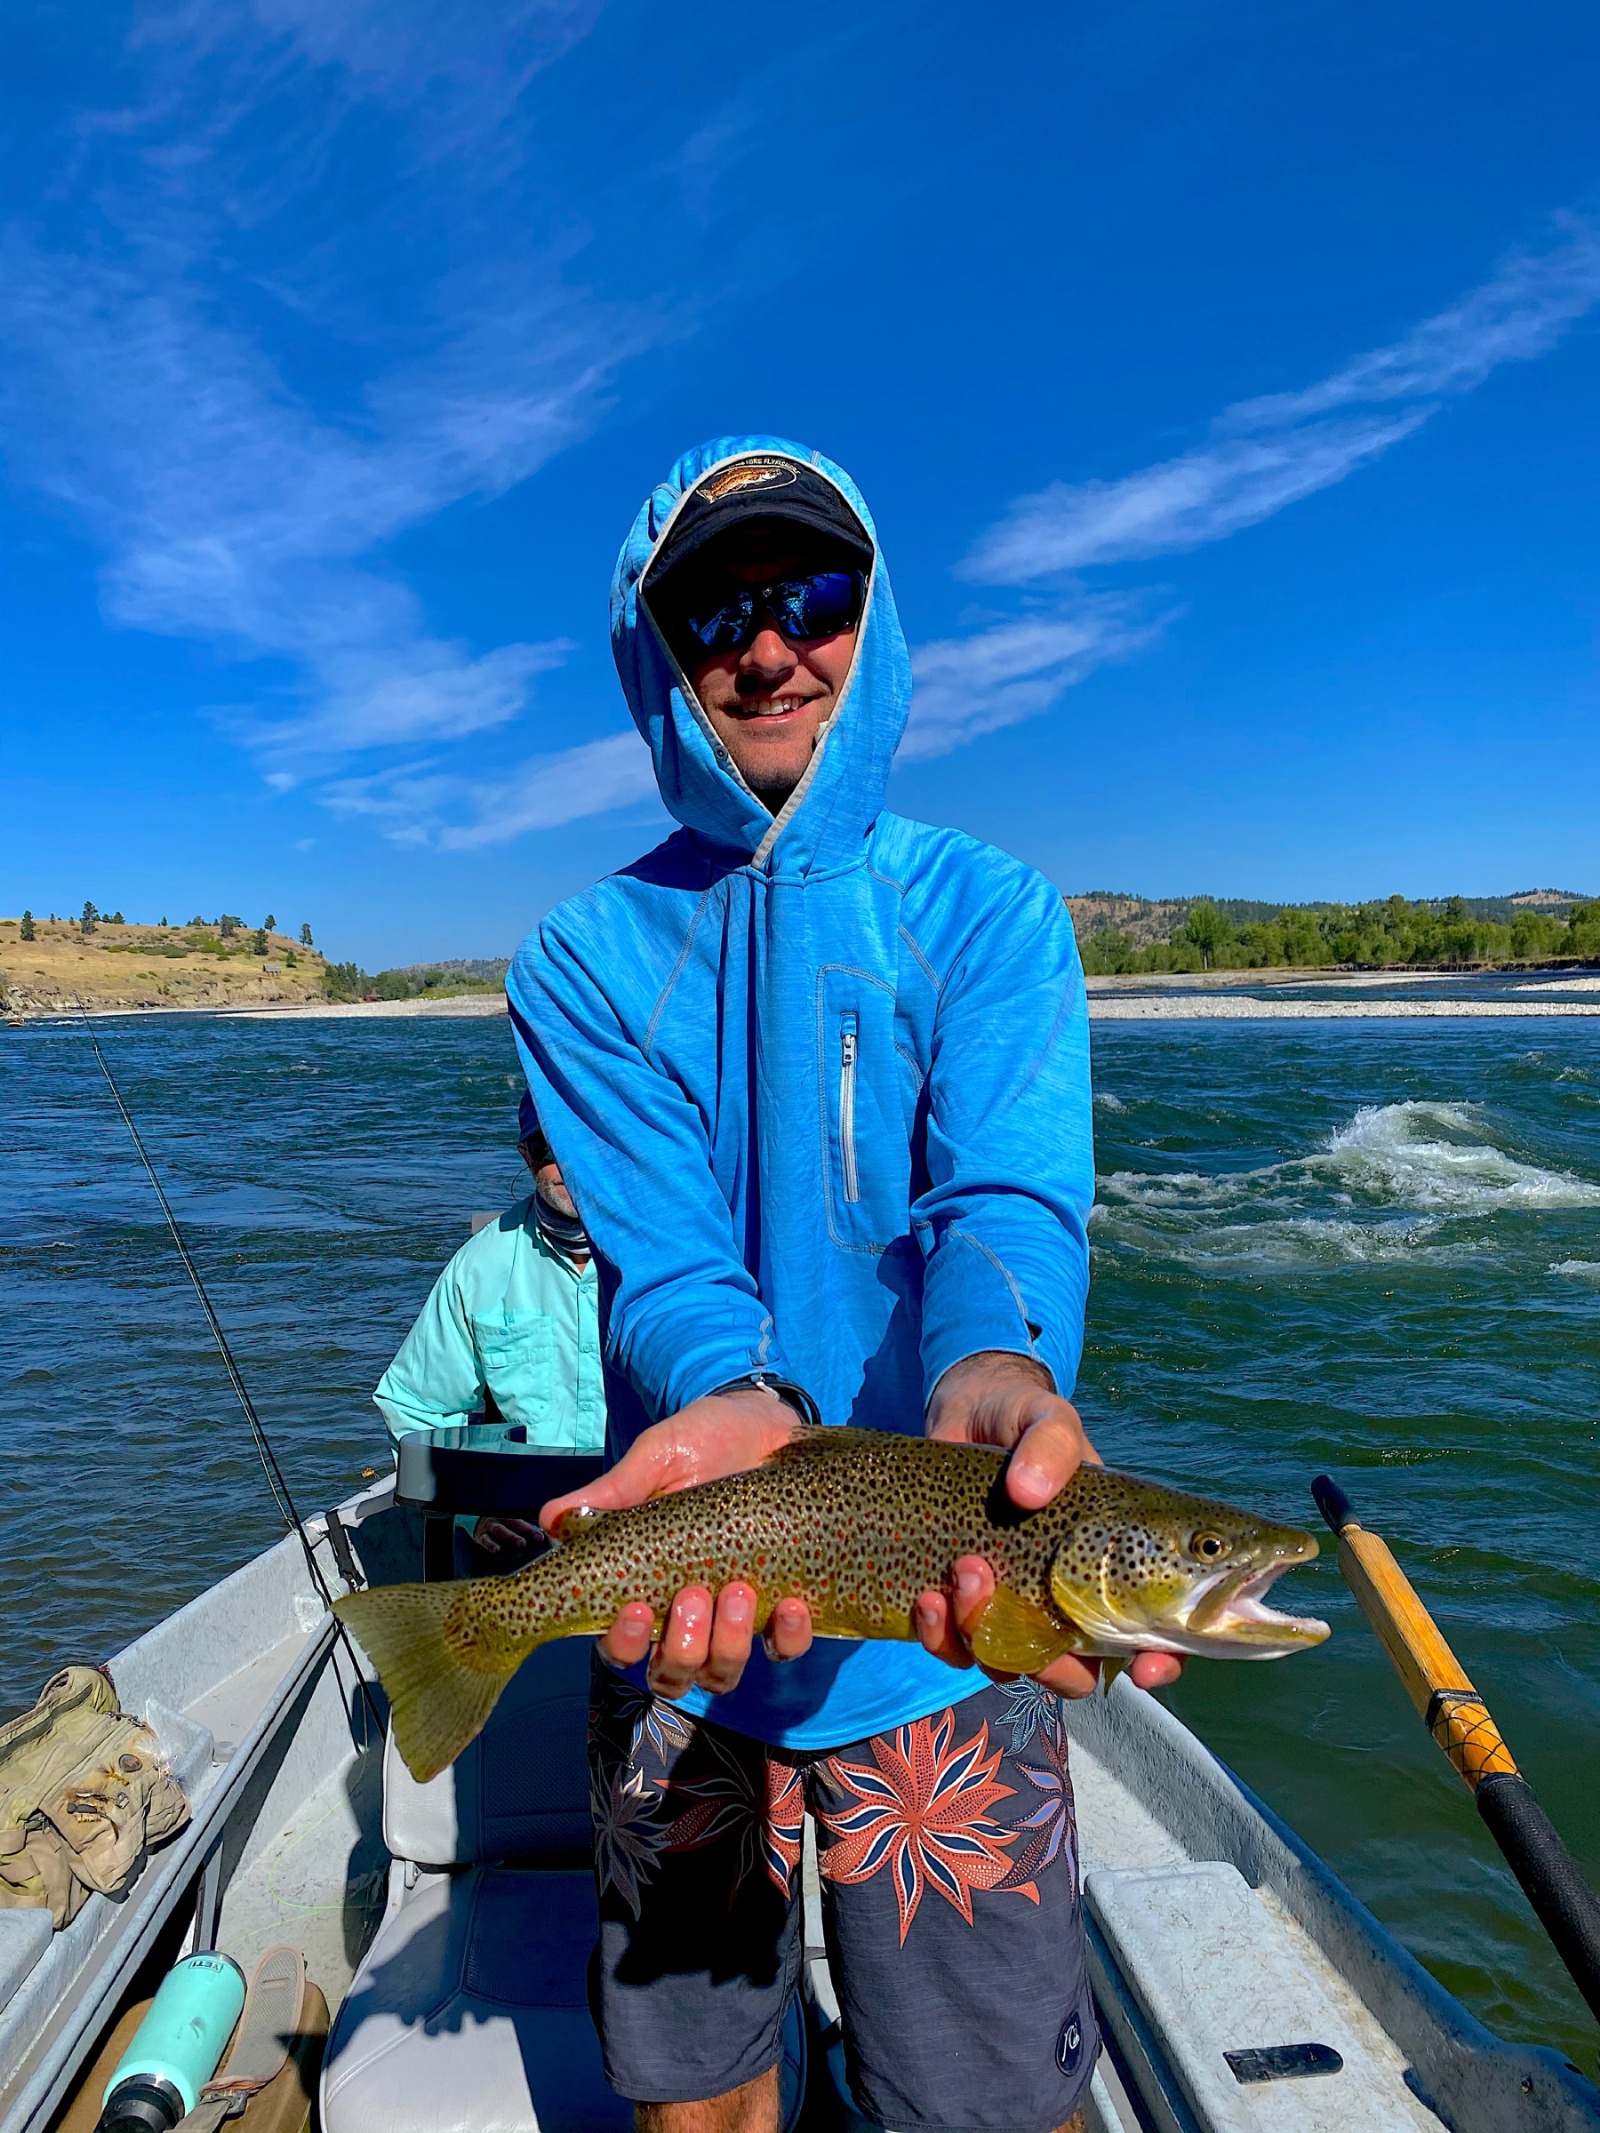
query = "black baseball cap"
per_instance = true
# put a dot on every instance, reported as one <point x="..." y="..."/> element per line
<point x="762" y="485"/>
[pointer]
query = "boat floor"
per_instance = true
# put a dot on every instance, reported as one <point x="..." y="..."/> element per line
<point x="1209" y="1922"/>
<point x="320" y="1884"/>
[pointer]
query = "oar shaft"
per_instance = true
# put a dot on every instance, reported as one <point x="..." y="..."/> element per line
<point x="1460" y="1723"/>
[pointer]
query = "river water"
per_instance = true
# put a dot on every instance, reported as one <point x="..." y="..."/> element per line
<point x="1372" y="1248"/>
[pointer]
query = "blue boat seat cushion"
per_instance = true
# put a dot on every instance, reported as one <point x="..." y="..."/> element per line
<point x="520" y="1791"/>
<point x="469" y="2013"/>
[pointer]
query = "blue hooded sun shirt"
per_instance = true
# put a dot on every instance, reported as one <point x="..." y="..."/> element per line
<point x="819" y="1084"/>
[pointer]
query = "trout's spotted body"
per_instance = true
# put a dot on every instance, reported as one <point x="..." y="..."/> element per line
<point x="857" y="1523"/>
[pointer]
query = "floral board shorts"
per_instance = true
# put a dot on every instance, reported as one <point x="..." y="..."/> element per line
<point x="949" y="1867"/>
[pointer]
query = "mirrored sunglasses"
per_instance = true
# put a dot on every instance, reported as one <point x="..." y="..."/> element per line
<point x="802" y="609"/>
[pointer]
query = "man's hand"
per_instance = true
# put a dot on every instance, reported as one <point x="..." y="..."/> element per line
<point x="495" y="1535"/>
<point x="1007" y="1401"/>
<point x="706" y="1642"/>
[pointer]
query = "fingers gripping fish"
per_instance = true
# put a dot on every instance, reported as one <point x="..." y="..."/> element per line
<point x="857" y="1523"/>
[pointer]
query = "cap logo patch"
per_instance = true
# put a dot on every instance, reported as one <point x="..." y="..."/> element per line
<point x="748" y="474"/>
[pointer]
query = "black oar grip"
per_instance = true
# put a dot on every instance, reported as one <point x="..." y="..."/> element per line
<point x="1563" y="1901"/>
<point x="1333" y="1503"/>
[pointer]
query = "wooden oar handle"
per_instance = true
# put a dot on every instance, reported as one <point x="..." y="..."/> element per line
<point x="1434" y="1678"/>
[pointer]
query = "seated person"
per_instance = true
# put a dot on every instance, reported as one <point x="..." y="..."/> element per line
<point x="512" y="1328"/>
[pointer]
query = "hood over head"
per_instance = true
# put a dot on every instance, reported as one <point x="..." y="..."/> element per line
<point x="828" y="814"/>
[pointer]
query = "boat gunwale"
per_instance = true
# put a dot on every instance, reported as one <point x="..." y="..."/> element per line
<point x="1445" y="2044"/>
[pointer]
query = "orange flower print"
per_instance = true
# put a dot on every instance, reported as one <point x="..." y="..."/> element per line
<point x="921" y="1809"/>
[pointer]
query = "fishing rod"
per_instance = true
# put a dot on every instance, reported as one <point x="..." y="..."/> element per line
<point x="277" y="1480"/>
<point x="1460" y="1723"/>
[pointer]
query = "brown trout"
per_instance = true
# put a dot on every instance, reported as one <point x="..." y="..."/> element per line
<point x="857" y="1523"/>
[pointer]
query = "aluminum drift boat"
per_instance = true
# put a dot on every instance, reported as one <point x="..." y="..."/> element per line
<point x="1241" y="1987"/>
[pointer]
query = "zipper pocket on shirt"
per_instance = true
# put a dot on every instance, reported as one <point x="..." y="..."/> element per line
<point x="847" y="1106"/>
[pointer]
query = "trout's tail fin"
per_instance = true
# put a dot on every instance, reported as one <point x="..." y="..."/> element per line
<point x="442" y="1658"/>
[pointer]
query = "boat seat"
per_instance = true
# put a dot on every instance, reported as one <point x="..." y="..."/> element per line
<point x="469" y="2012"/>
<point x="1214" y="1986"/>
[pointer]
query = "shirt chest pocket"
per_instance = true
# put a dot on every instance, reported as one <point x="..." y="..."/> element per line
<point x="868" y="1086"/>
<point x="520" y="1365"/>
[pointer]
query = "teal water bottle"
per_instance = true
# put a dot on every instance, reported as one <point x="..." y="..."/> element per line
<point x="175" y="2049"/>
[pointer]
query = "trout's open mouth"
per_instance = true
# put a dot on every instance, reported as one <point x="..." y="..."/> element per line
<point x="1232" y="1612"/>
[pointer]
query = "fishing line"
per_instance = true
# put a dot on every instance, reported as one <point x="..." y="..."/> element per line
<point x="276" y="1479"/>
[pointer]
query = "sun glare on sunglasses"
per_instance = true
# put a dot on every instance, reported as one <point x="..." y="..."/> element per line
<point x="803" y="610"/>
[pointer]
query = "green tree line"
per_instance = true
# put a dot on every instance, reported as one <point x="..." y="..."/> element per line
<point x="1370" y="936"/>
<point x="347" y="981"/>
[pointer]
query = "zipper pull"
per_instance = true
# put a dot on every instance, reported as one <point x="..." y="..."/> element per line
<point x="847" y="1105"/>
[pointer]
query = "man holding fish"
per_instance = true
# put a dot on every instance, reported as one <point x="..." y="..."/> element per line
<point x="819" y="1076"/>
<point x="819" y="1079"/>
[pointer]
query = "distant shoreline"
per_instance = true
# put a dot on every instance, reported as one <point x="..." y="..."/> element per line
<point x="1193" y="997"/>
<point x="1237" y="1009"/>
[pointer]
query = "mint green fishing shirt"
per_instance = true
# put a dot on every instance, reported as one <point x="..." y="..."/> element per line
<point x="512" y="1316"/>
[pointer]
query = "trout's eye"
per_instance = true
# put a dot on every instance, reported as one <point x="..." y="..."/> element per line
<point x="1207" y="1547"/>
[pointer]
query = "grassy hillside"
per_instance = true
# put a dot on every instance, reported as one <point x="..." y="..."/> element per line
<point x="116" y="967"/>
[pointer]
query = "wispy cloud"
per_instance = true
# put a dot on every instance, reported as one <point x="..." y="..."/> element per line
<point x="1262" y="455"/>
<point x="410" y="52"/>
<point x="969" y="686"/>
<point x="235" y="514"/>
<point x="456" y="814"/>
<point x="1268" y="452"/>
<point x="1181" y="503"/>
<point x="146" y="384"/>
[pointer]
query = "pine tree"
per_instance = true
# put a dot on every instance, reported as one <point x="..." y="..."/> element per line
<point x="305" y="934"/>
<point x="268" y="923"/>
<point x="29" y="931"/>
<point x="90" y="918"/>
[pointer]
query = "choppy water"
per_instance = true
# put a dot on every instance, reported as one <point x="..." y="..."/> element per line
<point x="1373" y="1248"/>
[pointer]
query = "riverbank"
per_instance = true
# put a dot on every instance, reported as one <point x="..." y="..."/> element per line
<point x="1235" y="1008"/>
<point x="1278" y="997"/>
<point x="1227" y="1007"/>
<point x="1215" y="996"/>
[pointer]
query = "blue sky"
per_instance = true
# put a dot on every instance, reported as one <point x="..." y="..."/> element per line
<point x="1224" y="381"/>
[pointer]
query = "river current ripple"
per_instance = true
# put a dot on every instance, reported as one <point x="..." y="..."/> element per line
<point x="1372" y="1248"/>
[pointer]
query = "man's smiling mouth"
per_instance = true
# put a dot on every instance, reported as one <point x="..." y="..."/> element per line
<point x="769" y="706"/>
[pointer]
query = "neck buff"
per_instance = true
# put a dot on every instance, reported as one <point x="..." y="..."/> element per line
<point x="565" y="1232"/>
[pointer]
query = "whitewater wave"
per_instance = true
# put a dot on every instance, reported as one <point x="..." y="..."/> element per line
<point x="1425" y="1157"/>
<point x="1397" y="1181"/>
<point x="1583" y="1269"/>
<point x="1298" y="1240"/>
<point x="1438" y="1156"/>
<point x="1105" y="1101"/>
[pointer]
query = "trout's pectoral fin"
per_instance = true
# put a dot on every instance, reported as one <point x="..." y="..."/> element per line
<point x="1109" y="1670"/>
<point x="1014" y="1636"/>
